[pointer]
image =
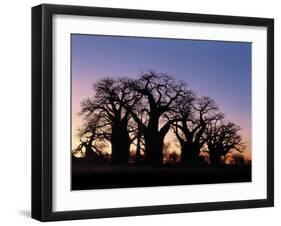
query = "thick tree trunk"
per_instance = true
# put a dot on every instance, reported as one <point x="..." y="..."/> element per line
<point x="215" y="158"/>
<point x="120" y="143"/>
<point x="190" y="155"/>
<point x="153" y="142"/>
<point x="154" y="148"/>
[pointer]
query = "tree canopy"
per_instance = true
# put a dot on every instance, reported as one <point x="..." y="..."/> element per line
<point x="133" y="116"/>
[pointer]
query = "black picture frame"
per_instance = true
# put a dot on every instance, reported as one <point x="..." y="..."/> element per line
<point x="42" y="111"/>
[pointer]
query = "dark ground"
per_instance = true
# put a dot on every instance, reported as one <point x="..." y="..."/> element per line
<point x="88" y="177"/>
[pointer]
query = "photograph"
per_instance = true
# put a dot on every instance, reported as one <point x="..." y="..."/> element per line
<point x="156" y="111"/>
<point x="141" y="112"/>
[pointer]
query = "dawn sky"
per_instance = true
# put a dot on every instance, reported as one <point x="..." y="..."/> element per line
<point x="220" y="70"/>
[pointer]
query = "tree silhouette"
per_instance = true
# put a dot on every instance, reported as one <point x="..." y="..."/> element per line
<point x="137" y="134"/>
<point x="222" y="137"/>
<point x="92" y="137"/>
<point x="194" y="116"/>
<point x="237" y="159"/>
<point x="138" y="113"/>
<point x="139" y="144"/>
<point x="109" y="100"/>
<point x="159" y="93"/>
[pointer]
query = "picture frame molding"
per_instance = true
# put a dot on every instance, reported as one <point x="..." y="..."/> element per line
<point x="42" y="111"/>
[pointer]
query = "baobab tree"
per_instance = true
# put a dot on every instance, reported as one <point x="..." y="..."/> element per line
<point x="140" y="112"/>
<point x="194" y="116"/>
<point x="93" y="137"/>
<point x="221" y="138"/>
<point x="111" y="95"/>
<point x="138" y="142"/>
<point x="159" y="94"/>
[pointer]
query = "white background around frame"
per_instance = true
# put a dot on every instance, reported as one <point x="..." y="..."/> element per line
<point x="64" y="199"/>
<point x="15" y="93"/>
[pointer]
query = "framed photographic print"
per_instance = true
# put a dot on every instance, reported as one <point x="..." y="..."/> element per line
<point x="145" y="112"/>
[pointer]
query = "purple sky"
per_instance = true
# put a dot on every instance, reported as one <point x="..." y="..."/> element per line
<point x="220" y="70"/>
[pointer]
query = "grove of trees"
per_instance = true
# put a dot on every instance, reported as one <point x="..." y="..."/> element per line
<point x="127" y="114"/>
